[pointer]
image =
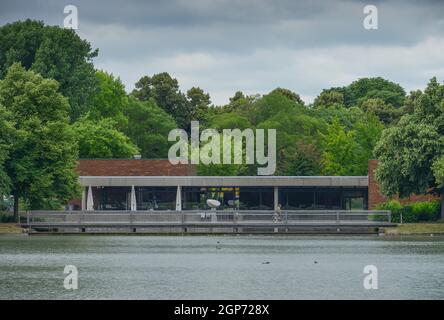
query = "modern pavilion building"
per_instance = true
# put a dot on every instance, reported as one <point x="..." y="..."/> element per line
<point x="116" y="184"/>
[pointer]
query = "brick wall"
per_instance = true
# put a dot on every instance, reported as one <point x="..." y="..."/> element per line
<point x="375" y="197"/>
<point x="133" y="167"/>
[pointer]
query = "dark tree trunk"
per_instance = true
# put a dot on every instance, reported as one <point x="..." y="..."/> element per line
<point x="16" y="208"/>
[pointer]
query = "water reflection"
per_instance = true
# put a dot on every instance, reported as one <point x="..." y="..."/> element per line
<point x="224" y="267"/>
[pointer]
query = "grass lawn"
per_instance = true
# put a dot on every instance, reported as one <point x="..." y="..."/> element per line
<point x="10" y="228"/>
<point x="416" y="228"/>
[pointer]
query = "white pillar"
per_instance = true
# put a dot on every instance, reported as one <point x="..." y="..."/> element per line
<point x="90" y="200"/>
<point x="83" y="205"/>
<point x="276" y="198"/>
<point x="179" y="199"/>
<point x="133" y="199"/>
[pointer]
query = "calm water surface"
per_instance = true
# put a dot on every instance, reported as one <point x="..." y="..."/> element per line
<point x="221" y="267"/>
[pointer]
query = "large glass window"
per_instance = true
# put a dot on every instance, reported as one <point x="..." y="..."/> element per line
<point x="296" y="198"/>
<point x="328" y="199"/>
<point x="322" y="198"/>
<point x="195" y="198"/>
<point x="256" y="198"/>
<point x="113" y="198"/>
<point x="156" y="198"/>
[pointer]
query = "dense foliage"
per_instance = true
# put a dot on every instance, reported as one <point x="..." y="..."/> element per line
<point x="55" y="108"/>
<point x="410" y="213"/>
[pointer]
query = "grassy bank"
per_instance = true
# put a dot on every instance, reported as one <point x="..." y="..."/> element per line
<point x="416" y="228"/>
<point x="8" y="228"/>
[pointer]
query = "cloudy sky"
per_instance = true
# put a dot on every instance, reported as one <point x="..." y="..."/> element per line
<point x="255" y="45"/>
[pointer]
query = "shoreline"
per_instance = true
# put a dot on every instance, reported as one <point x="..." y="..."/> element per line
<point x="414" y="229"/>
<point x="405" y="229"/>
<point x="10" y="228"/>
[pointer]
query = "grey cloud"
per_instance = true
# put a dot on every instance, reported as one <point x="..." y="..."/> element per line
<point x="253" y="45"/>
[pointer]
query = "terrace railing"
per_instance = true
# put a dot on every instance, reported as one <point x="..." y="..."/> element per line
<point x="206" y="218"/>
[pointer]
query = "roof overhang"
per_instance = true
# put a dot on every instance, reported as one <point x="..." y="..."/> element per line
<point x="225" y="181"/>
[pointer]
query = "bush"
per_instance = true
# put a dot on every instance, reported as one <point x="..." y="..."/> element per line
<point x="6" y="217"/>
<point x="426" y="211"/>
<point x="394" y="206"/>
<point x="415" y="212"/>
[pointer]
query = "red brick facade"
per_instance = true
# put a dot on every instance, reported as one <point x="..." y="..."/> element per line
<point x="375" y="197"/>
<point x="133" y="167"/>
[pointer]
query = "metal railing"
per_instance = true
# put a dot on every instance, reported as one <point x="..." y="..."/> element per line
<point x="205" y="218"/>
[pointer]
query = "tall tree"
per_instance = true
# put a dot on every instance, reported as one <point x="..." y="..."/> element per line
<point x="200" y="103"/>
<point x="410" y="153"/>
<point x="165" y="91"/>
<point x="55" y="53"/>
<point x="100" y="139"/>
<point x="365" y="88"/>
<point x="339" y="157"/>
<point x="109" y="100"/>
<point x="7" y="135"/>
<point x="42" y="161"/>
<point x="148" y="127"/>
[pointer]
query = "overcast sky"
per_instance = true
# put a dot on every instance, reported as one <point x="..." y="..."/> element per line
<point x="255" y="45"/>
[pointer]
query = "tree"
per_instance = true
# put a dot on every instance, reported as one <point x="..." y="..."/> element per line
<point x="100" y="139"/>
<point x="410" y="152"/>
<point x="200" y="103"/>
<point x="340" y="151"/>
<point x="148" y="127"/>
<point x="329" y="98"/>
<point x="293" y="96"/>
<point x="7" y="135"/>
<point x="109" y="101"/>
<point x="42" y="161"/>
<point x="300" y="160"/>
<point x="365" y="88"/>
<point x="55" y="53"/>
<point x="165" y="92"/>
<point x="384" y="111"/>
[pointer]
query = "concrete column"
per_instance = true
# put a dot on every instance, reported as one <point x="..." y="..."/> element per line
<point x="83" y="205"/>
<point x="179" y="199"/>
<point x="276" y="198"/>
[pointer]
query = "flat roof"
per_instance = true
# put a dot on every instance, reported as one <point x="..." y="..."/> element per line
<point x="225" y="181"/>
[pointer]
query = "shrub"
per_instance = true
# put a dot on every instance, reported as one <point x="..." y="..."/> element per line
<point x="415" y="212"/>
<point x="394" y="206"/>
<point x="6" y="217"/>
<point x="426" y="211"/>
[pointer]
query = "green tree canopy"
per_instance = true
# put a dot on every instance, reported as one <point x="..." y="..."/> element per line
<point x="109" y="100"/>
<point x="148" y="127"/>
<point x="7" y="135"/>
<point x="365" y="88"/>
<point x="164" y="90"/>
<point x="200" y="103"/>
<point x="53" y="52"/>
<point x="410" y="153"/>
<point x="42" y="160"/>
<point x="100" y="139"/>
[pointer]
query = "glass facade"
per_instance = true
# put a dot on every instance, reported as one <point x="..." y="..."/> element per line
<point x="113" y="198"/>
<point x="318" y="198"/>
<point x="256" y="198"/>
<point x="232" y="198"/>
<point x="156" y="198"/>
<point x="195" y="198"/>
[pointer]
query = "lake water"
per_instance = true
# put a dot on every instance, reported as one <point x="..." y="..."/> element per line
<point x="221" y="267"/>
